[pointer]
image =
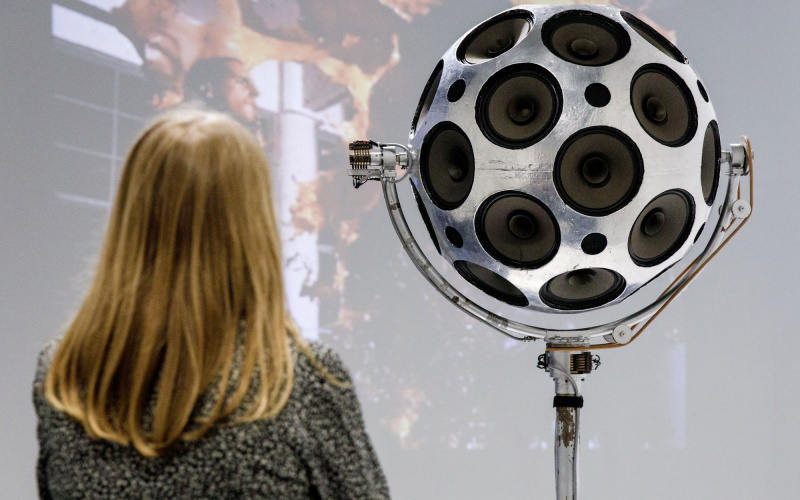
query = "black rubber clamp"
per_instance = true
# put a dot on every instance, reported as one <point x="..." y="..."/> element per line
<point x="568" y="402"/>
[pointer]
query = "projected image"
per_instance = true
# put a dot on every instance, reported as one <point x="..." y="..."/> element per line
<point x="307" y="77"/>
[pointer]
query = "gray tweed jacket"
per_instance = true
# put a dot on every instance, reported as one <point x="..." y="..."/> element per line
<point x="316" y="448"/>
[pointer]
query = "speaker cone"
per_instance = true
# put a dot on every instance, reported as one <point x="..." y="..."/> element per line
<point x="517" y="230"/>
<point x="518" y="106"/>
<point x="664" y="105"/>
<point x="427" y="96"/>
<point x="653" y="37"/>
<point x="598" y="171"/>
<point x="491" y="283"/>
<point x="582" y="289"/>
<point x="426" y="218"/>
<point x="661" y="228"/>
<point x="495" y="37"/>
<point x="586" y="38"/>
<point x="709" y="168"/>
<point x="447" y="165"/>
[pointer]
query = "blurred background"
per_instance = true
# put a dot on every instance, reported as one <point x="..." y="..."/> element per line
<point x="700" y="406"/>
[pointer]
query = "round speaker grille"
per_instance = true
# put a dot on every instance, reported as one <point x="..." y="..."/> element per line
<point x="664" y="105"/>
<point x="586" y="38"/>
<point x="491" y="283"/>
<point x="653" y="37"/>
<point x="709" y="168"/>
<point x="447" y="165"/>
<point x="517" y="230"/>
<point x="598" y="171"/>
<point x="661" y="228"/>
<point x="582" y="289"/>
<point x="427" y="96"/>
<point x="518" y="106"/>
<point x="495" y="37"/>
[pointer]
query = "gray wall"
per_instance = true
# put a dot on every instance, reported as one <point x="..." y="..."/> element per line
<point x="701" y="406"/>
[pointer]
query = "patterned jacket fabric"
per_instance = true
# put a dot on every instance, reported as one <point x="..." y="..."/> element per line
<point x="315" y="448"/>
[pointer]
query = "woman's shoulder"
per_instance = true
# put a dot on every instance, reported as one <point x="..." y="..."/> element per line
<point x="321" y="366"/>
<point x="338" y="447"/>
<point x="328" y="358"/>
<point x="44" y="361"/>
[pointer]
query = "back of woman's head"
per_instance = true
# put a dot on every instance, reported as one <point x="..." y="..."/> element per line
<point x="189" y="273"/>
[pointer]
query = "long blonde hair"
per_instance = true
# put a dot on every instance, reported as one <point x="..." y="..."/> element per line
<point x="192" y="252"/>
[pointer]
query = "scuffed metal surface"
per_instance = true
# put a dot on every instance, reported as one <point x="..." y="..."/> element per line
<point x="566" y="426"/>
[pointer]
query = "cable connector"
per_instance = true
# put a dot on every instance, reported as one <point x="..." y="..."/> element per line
<point x="580" y="363"/>
<point x="372" y="161"/>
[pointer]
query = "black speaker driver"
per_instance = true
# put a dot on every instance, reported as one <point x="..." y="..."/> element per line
<point x="709" y="168"/>
<point x="517" y="230"/>
<point x="598" y="171"/>
<point x="653" y="37"/>
<point x="663" y="105"/>
<point x="491" y="283"/>
<point x="447" y="165"/>
<point x="495" y="37"/>
<point x="586" y="38"/>
<point x="582" y="289"/>
<point x="427" y="96"/>
<point x="661" y="228"/>
<point x="518" y="106"/>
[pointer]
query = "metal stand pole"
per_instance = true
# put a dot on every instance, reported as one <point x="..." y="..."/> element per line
<point x="568" y="370"/>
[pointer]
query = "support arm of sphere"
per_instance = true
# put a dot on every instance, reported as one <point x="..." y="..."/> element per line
<point x="379" y="162"/>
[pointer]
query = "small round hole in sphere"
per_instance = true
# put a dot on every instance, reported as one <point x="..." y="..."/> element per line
<point x="597" y="95"/>
<point x="594" y="243"/>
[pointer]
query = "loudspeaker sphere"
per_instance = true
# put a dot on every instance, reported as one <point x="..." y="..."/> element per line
<point x="564" y="156"/>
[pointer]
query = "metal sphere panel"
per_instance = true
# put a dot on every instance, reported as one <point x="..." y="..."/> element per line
<point x="587" y="97"/>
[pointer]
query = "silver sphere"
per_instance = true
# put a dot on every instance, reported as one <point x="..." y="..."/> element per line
<point x="564" y="156"/>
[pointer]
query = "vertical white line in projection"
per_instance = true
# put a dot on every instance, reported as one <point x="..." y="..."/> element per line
<point x="267" y="76"/>
<point x="298" y="165"/>
<point x="676" y="358"/>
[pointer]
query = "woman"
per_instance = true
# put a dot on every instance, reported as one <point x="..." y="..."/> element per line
<point x="182" y="375"/>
